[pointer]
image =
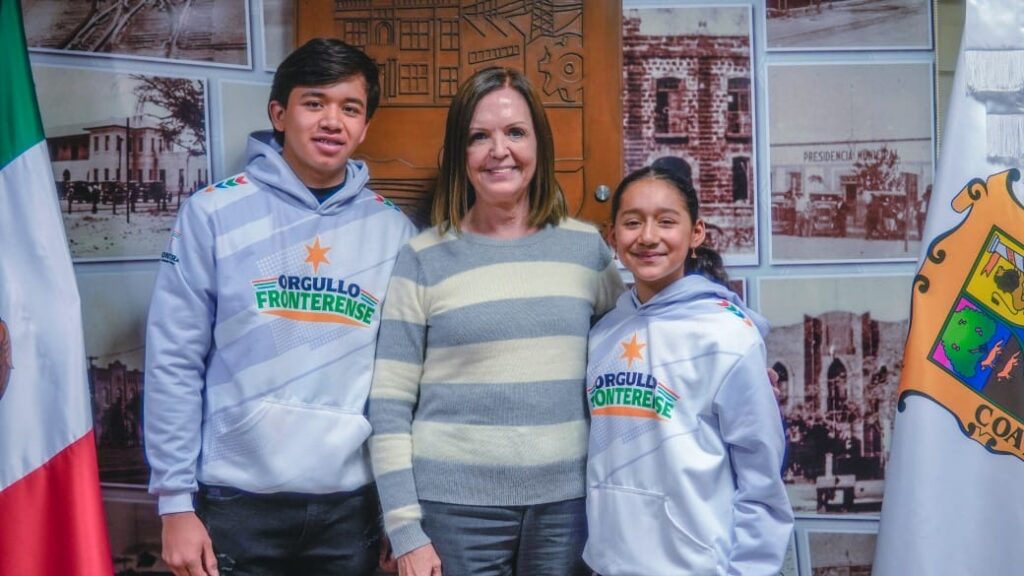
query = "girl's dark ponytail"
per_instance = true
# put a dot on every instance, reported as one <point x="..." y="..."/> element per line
<point x="708" y="263"/>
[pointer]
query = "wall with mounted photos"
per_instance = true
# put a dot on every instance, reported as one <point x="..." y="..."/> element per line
<point x="810" y="128"/>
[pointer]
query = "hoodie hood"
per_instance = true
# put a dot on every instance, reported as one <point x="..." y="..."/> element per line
<point x="686" y="290"/>
<point x="267" y="166"/>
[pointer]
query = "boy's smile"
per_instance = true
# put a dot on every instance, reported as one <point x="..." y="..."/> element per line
<point x="322" y="125"/>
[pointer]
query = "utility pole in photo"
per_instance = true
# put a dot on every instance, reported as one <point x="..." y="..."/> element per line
<point x="129" y="204"/>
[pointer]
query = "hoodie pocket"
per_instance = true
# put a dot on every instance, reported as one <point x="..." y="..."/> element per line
<point x="288" y="446"/>
<point x="633" y="534"/>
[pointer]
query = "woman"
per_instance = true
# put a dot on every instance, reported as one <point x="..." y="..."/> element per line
<point x="477" y="407"/>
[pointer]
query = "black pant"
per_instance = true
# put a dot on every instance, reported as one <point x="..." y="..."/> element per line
<point x="289" y="534"/>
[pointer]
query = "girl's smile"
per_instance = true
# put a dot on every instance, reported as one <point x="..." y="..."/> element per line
<point x="653" y="234"/>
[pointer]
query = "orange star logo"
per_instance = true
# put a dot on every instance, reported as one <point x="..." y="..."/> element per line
<point x="631" y="351"/>
<point x="317" y="255"/>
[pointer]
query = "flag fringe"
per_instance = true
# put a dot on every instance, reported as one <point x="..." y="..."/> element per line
<point x="1005" y="134"/>
<point x="994" y="71"/>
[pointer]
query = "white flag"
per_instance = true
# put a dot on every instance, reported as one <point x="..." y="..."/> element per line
<point x="952" y="505"/>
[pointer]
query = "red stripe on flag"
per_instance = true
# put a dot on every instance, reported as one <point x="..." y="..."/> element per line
<point x="52" y="519"/>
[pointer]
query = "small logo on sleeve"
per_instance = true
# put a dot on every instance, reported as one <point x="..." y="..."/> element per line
<point x="387" y="202"/>
<point x="227" y="183"/>
<point x="736" y="311"/>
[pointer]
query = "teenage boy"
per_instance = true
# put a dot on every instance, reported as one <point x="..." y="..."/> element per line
<point x="261" y="339"/>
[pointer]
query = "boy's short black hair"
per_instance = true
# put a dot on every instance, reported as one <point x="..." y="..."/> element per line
<point x="322" y="62"/>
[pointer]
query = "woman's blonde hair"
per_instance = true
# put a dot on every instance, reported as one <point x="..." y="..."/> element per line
<point x="454" y="195"/>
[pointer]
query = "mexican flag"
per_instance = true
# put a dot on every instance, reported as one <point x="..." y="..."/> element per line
<point x="952" y="503"/>
<point x="51" y="513"/>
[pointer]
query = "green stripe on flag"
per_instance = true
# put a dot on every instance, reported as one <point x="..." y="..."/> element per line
<point x="19" y="115"/>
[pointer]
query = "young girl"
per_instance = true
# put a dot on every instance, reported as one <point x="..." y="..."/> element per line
<point x="686" y="441"/>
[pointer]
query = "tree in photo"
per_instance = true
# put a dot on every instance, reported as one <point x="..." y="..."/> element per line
<point x="182" y="99"/>
<point x="182" y="113"/>
<point x="107" y="21"/>
<point x="878" y="169"/>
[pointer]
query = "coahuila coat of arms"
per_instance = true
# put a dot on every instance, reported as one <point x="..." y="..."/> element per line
<point x="966" y="346"/>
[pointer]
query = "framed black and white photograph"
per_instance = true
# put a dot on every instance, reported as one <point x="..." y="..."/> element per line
<point x="211" y="32"/>
<point x="841" y="552"/>
<point x="115" y="305"/>
<point x="134" y="527"/>
<point x="849" y="24"/>
<point x="852" y="160"/>
<point x="837" y="345"/>
<point x="278" y="31"/>
<point x="688" y="94"/>
<point x="126" y="151"/>
<point x="739" y="286"/>
<point x="243" y="111"/>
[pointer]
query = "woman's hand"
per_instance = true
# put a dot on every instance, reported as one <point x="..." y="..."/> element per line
<point x="387" y="562"/>
<point x="422" y="561"/>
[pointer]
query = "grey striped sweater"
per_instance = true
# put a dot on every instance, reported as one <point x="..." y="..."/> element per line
<point x="478" y="387"/>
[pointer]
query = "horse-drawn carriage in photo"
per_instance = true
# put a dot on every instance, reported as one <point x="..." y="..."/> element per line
<point x="112" y="193"/>
<point x="133" y="192"/>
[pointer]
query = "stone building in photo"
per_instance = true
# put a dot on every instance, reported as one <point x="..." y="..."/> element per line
<point x="838" y="373"/>
<point x="687" y="92"/>
<point x="117" y="422"/>
<point x="117" y="404"/>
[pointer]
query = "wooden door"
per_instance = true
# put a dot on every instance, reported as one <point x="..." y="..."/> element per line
<point x="570" y="50"/>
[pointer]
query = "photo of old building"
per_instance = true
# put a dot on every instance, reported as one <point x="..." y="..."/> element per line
<point x="837" y="346"/>
<point x="120" y="150"/>
<point x="198" y="30"/>
<point x="117" y="422"/>
<point x="841" y="553"/>
<point x="848" y="24"/>
<point x="687" y="93"/>
<point x="126" y="151"/>
<point x="114" y="324"/>
<point x="851" y="171"/>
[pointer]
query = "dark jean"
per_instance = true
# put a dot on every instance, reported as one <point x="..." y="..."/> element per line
<point x="537" y="540"/>
<point x="288" y="534"/>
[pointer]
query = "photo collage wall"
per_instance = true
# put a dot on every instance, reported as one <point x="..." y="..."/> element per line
<point x="808" y="127"/>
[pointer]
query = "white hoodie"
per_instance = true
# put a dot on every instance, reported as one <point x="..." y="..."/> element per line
<point x="261" y="333"/>
<point x="686" y="439"/>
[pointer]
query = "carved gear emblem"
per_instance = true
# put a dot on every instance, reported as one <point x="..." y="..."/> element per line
<point x="562" y="67"/>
